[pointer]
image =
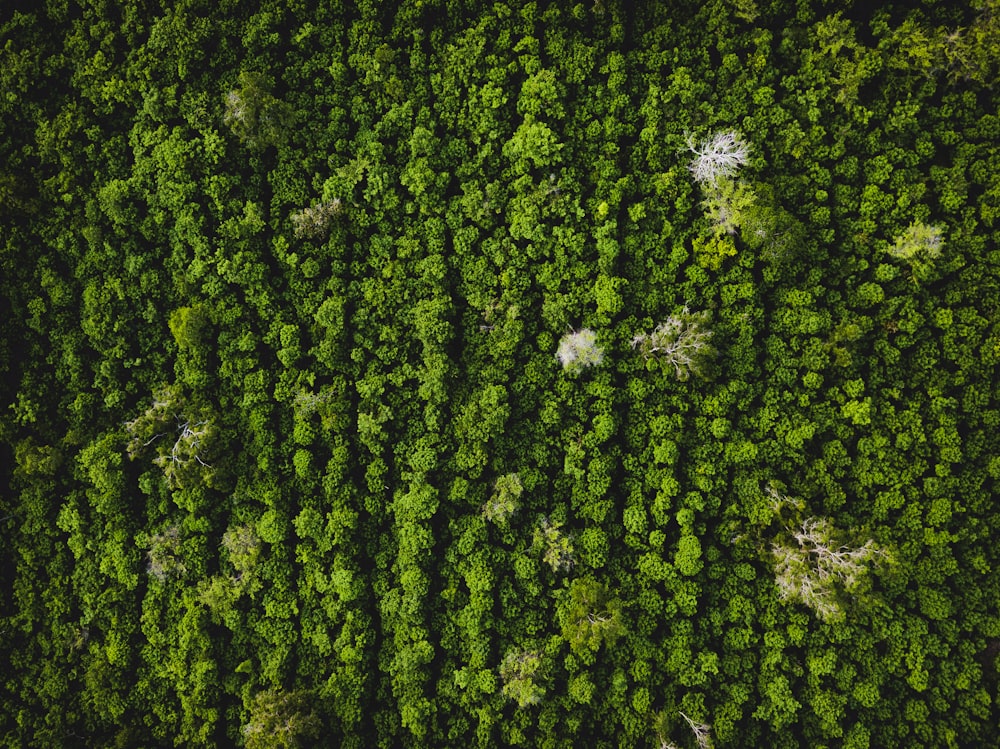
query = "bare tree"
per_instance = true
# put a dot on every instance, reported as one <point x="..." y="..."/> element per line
<point x="778" y="501"/>
<point x="682" y="341"/>
<point x="701" y="731"/>
<point x="719" y="155"/>
<point x="817" y="569"/>
<point x="662" y="726"/>
<point x="578" y="350"/>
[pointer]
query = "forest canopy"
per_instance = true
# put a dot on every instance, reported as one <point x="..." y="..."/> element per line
<point x="520" y="373"/>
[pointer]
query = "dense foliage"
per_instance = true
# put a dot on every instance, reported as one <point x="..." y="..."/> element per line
<point x="454" y="373"/>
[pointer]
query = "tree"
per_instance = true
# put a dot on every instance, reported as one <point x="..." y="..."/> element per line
<point x="579" y="350"/>
<point x="254" y="115"/>
<point x="720" y="155"/>
<point x="504" y="500"/>
<point x="701" y="731"/>
<point x="314" y="222"/>
<point x="682" y="341"/>
<point x="184" y="459"/>
<point x="164" y="554"/>
<point x="556" y="546"/>
<point x="727" y="203"/>
<point x="186" y="451"/>
<point x="147" y="428"/>
<point x="711" y="251"/>
<point x="242" y="545"/>
<point x="281" y="719"/>
<point x="187" y="325"/>
<point x="533" y="142"/>
<point x="662" y="725"/>
<point x="919" y="245"/>
<point x="817" y="570"/>
<point x="519" y="672"/>
<point x="590" y="616"/>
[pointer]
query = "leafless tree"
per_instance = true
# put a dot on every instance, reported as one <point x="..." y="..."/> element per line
<point x="701" y="731"/>
<point x="719" y="155"/>
<point x="817" y="569"/>
<point x="682" y="341"/>
<point x="578" y="349"/>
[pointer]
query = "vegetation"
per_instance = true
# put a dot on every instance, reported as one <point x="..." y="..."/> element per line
<point x="578" y="350"/>
<point x="447" y="373"/>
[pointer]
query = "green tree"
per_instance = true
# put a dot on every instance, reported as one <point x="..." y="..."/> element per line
<point x="281" y="720"/>
<point x="187" y="325"/>
<point x="520" y="672"/>
<point x="589" y="616"/>
<point x="504" y="500"/>
<point x="254" y="115"/>
<point x="533" y="143"/>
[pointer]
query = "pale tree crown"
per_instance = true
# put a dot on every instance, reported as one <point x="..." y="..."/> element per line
<point x="919" y="241"/>
<point x="681" y="341"/>
<point x="578" y="350"/>
<point x="718" y="156"/>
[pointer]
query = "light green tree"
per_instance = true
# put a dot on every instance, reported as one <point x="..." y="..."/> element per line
<point x="280" y="719"/>
<point x="504" y="501"/>
<point x="254" y="115"/>
<point x="164" y="554"/>
<point x="727" y="203"/>
<point x="556" y="546"/>
<point x="589" y="616"/>
<point x="919" y="246"/>
<point x="520" y="672"/>
<point x="314" y="222"/>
